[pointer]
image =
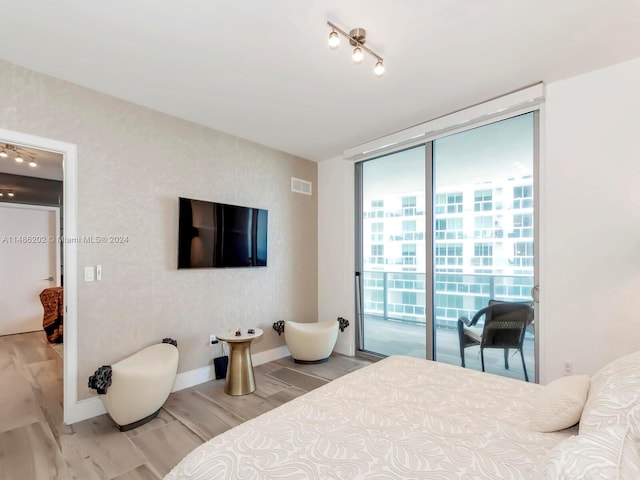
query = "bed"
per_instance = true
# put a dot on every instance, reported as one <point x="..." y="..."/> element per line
<point x="407" y="418"/>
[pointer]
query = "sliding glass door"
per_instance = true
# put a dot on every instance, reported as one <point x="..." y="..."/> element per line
<point x="445" y="227"/>
<point x="393" y="254"/>
<point x="483" y="231"/>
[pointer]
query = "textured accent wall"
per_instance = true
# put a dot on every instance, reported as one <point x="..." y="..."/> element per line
<point x="133" y="164"/>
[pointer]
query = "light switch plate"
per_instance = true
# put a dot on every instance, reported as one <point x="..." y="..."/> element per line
<point x="88" y="274"/>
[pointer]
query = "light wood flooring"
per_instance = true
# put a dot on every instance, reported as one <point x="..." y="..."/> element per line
<point x="35" y="444"/>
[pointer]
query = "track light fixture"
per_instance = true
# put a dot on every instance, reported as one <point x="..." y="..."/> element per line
<point x="357" y="37"/>
<point x="19" y="157"/>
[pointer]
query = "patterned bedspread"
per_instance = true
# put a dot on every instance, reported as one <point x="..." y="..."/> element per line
<point x="400" y="418"/>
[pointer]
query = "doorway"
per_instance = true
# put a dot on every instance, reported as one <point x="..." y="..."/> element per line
<point x="444" y="227"/>
<point x="67" y="153"/>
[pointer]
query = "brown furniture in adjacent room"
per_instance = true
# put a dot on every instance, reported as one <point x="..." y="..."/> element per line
<point x="53" y="304"/>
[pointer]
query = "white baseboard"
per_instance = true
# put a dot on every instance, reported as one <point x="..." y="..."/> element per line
<point x="194" y="377"/>
<point x="92" y="407"/>
<point x="84" y="409"/>
<point x="270" y="355"/>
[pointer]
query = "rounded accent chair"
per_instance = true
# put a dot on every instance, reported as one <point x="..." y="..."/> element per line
<point x="134" y="389"/>
<point x="311" y="342"/>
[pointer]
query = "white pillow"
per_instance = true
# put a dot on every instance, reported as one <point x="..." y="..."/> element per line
<point x="608" y="453"/>
<point x="614" y="396"/>
<point x="560" y="403"/>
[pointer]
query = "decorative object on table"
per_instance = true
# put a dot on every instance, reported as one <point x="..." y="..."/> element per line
<point x="311" y="342"/>
<point x="134" y="389"/>
<point x="251" y="331"/>
<point x="238" y="333"/>
<point x="52" y="300"/>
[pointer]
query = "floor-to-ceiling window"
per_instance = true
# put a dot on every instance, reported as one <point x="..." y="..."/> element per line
<point x="445" y="227"/>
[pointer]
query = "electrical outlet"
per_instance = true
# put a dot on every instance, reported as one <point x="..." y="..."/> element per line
<point x="567" y="367"/>
<point x="212" y="340"/>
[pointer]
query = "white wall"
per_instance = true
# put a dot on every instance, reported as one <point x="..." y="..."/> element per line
<point x="133" y="164"/>
<point x="336" y="247"/>
<point x="590" y="249"/>
<point x="590" y="223"/>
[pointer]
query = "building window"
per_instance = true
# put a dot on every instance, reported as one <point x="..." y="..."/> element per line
<point x="522" y="254"/>
<point x="449" y="254"/>
<point x="448" y="228"/>
<point x="409" y="206"/>
<point x="448" y="203"/>
<point x="409" y="254"/>
<point x="522" y="226"/>
<point x="523" y="196"/>
<point x="483" y="254"/>
<point x="377" y="232"/>
<point x="483" y="226"/>
<point x="483" y="200"/>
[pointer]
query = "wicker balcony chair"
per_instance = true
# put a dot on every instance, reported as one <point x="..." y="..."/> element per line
<point x="505" y="324"/>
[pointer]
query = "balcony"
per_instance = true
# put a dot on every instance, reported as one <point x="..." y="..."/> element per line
<point x="392" y="327"/>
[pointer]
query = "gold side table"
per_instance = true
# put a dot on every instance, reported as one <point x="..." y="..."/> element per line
<point x="240" y="379"/>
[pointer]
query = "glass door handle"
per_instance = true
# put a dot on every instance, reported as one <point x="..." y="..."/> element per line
<point x="48" y="279"/>
<point x="535" y="293"/>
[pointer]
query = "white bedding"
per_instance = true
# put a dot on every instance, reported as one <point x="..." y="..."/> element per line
<point x="400" y="418"/>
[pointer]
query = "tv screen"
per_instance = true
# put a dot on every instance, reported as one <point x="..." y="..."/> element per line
<point x="217" y="235"/>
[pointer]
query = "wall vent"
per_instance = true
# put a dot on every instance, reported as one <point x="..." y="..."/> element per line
<point x="301" y="186"/>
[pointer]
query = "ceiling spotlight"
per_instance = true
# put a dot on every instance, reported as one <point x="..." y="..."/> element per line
<point x="33" y="163"/>
<point x="334" y="40"/>
<point x="10" y="194"/>
<point x="1" y="194"/>
<point x="379" y="68"/>
<point x="3" y="154"/>
<point x="357" y="38"/>
<point x="19" y="159"/>
<point x="357" y="55"/>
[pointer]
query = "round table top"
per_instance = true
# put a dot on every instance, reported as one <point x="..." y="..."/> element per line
<point x="230" y="335"/>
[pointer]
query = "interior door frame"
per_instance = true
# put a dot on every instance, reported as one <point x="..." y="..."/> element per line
<point x="73" y="410"/>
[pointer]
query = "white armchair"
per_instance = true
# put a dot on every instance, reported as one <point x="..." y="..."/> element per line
<point x="310" y="342"/>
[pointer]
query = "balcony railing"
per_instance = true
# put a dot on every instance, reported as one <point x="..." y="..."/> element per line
<point x="401" y="296"/>
<point x="394" y="315"/>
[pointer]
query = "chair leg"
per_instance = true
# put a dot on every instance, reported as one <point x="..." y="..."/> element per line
<point x="524" y="367"/>
<point x="506" y="359"/>
<point x="482" y="358"/>
<point x="462" y="357"/>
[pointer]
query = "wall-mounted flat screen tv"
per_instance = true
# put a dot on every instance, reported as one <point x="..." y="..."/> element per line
<point x="217" y="235"/>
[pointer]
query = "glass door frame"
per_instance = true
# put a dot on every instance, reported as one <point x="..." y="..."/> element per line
<point x="429" y="233"/>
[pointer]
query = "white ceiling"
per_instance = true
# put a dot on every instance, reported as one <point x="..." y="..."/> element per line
<point x="261" y="70"/>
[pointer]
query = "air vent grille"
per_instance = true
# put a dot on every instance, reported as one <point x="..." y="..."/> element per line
<point x="301" y="186"/>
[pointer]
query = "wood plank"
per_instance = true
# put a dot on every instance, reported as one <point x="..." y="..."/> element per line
<point x="143" y="472"/>
<point x="164" y="447"/>
<point x="203" y="417"/>
<point x="46" y="380"/>
<point x="267" y="385"/>
<point x="298" y="379"/>
<point x="30" y="348"/>
<point x="19" y="404"/>
<point x="244" y="406"/>
<point x="162" y="419"/>
<point x="98" y="449"/>
<point x="31" y="452"/>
